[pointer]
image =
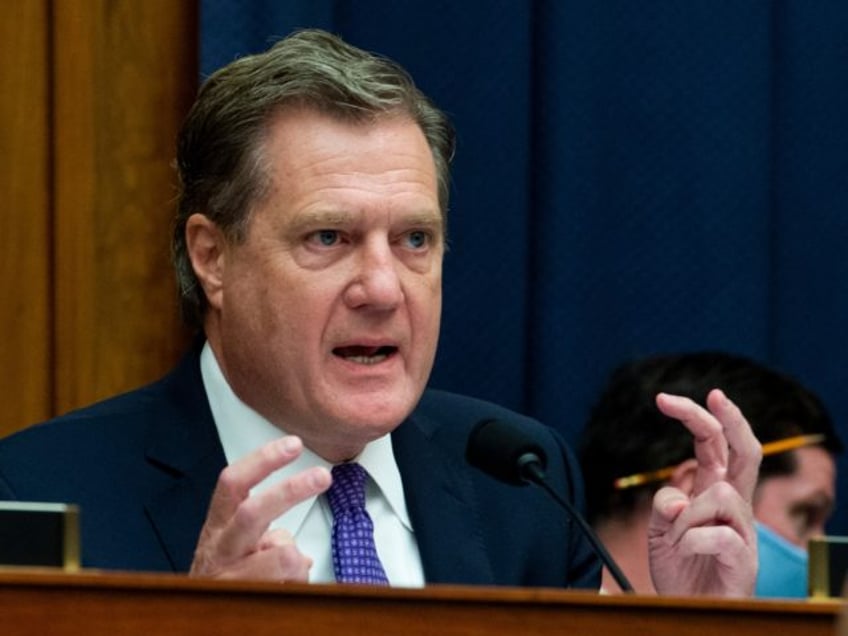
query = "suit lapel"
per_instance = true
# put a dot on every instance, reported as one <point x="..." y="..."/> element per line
<point x="183" y="444"/>
<point x="441" y="506"/>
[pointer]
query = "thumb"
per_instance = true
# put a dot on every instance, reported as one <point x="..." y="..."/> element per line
<point x="669" y="502"/>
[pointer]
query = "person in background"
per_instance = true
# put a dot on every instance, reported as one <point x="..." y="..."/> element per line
<point x="628" y="450"/>
<point x="297" y="440"/>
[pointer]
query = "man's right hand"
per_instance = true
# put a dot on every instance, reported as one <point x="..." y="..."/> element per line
<point x="235" y="542"/>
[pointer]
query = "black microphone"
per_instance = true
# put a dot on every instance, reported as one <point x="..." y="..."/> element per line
<point x="510" y="455"/>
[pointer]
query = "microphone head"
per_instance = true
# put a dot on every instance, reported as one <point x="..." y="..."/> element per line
<point x="504" y="451"/>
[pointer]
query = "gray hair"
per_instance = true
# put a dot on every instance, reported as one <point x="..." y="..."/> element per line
<point x="220" y="160"/>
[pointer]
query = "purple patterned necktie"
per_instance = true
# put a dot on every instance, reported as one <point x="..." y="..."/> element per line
<point x="355" y="557"/>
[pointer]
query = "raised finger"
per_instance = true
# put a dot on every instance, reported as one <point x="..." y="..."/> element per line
<point x="238" y="478"/>
<point x="711" y="450"/>
<point x="745" y="451"/>
<point x="250" y="521"/>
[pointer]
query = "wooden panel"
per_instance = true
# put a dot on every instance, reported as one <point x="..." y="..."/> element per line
<point x="125" y="73"/>
<point x="163" y="605"/>
<point x="25" y="363"/>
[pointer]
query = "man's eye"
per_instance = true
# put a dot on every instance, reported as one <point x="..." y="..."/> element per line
<point x="418" y="239"/>
<point x="808" y="520"/>
<point x="327" y="238"/>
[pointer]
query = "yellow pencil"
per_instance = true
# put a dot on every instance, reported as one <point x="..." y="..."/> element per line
<point x="769" y="448"/>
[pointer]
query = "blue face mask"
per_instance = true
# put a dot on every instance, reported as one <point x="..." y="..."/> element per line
<point x="783" y="566"/>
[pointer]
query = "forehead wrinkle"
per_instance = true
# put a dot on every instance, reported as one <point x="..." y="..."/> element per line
<point x="397" y="181"/>
<point x="380" y="188"/>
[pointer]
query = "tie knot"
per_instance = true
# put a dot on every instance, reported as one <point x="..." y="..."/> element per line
<point x="347" y="492"/>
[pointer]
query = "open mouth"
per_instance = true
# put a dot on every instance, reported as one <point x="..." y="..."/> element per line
<point x="365" y="355"/>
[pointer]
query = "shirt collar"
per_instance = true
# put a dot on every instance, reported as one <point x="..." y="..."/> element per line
<point x="378" y="458"/>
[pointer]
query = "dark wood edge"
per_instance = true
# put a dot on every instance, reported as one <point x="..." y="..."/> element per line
<point x="181" y="584"/>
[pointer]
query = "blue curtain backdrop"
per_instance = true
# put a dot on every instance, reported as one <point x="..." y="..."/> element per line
<point x="631" y="178"/>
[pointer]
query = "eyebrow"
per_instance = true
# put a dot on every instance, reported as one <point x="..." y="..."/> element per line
<point x="336" y="218"/>
<point x="329" y="217"/>
<point x="427" y="219"/>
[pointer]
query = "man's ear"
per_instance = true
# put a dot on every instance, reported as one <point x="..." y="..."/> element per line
<point x="206" y="247"/>
<point x="683" y="476"/>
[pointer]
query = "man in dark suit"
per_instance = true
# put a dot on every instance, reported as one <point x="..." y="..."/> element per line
<point x="309" y="246"/>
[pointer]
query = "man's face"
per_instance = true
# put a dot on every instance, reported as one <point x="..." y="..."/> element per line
<point x="326" y="318"/>
<point x="797" y="506"/>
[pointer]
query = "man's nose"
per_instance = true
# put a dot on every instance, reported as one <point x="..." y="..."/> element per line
<point x="377" y="281"/>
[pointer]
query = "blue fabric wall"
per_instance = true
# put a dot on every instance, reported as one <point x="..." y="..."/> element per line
<point x="631" y="178"/>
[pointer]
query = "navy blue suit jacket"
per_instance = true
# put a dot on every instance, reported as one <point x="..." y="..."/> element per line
<point x="142" y="467"/>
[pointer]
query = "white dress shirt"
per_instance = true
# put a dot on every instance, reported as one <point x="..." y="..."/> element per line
<point x="242" y="430"/>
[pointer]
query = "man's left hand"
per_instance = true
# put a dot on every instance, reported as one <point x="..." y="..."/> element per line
<point x="705" y="542"/>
